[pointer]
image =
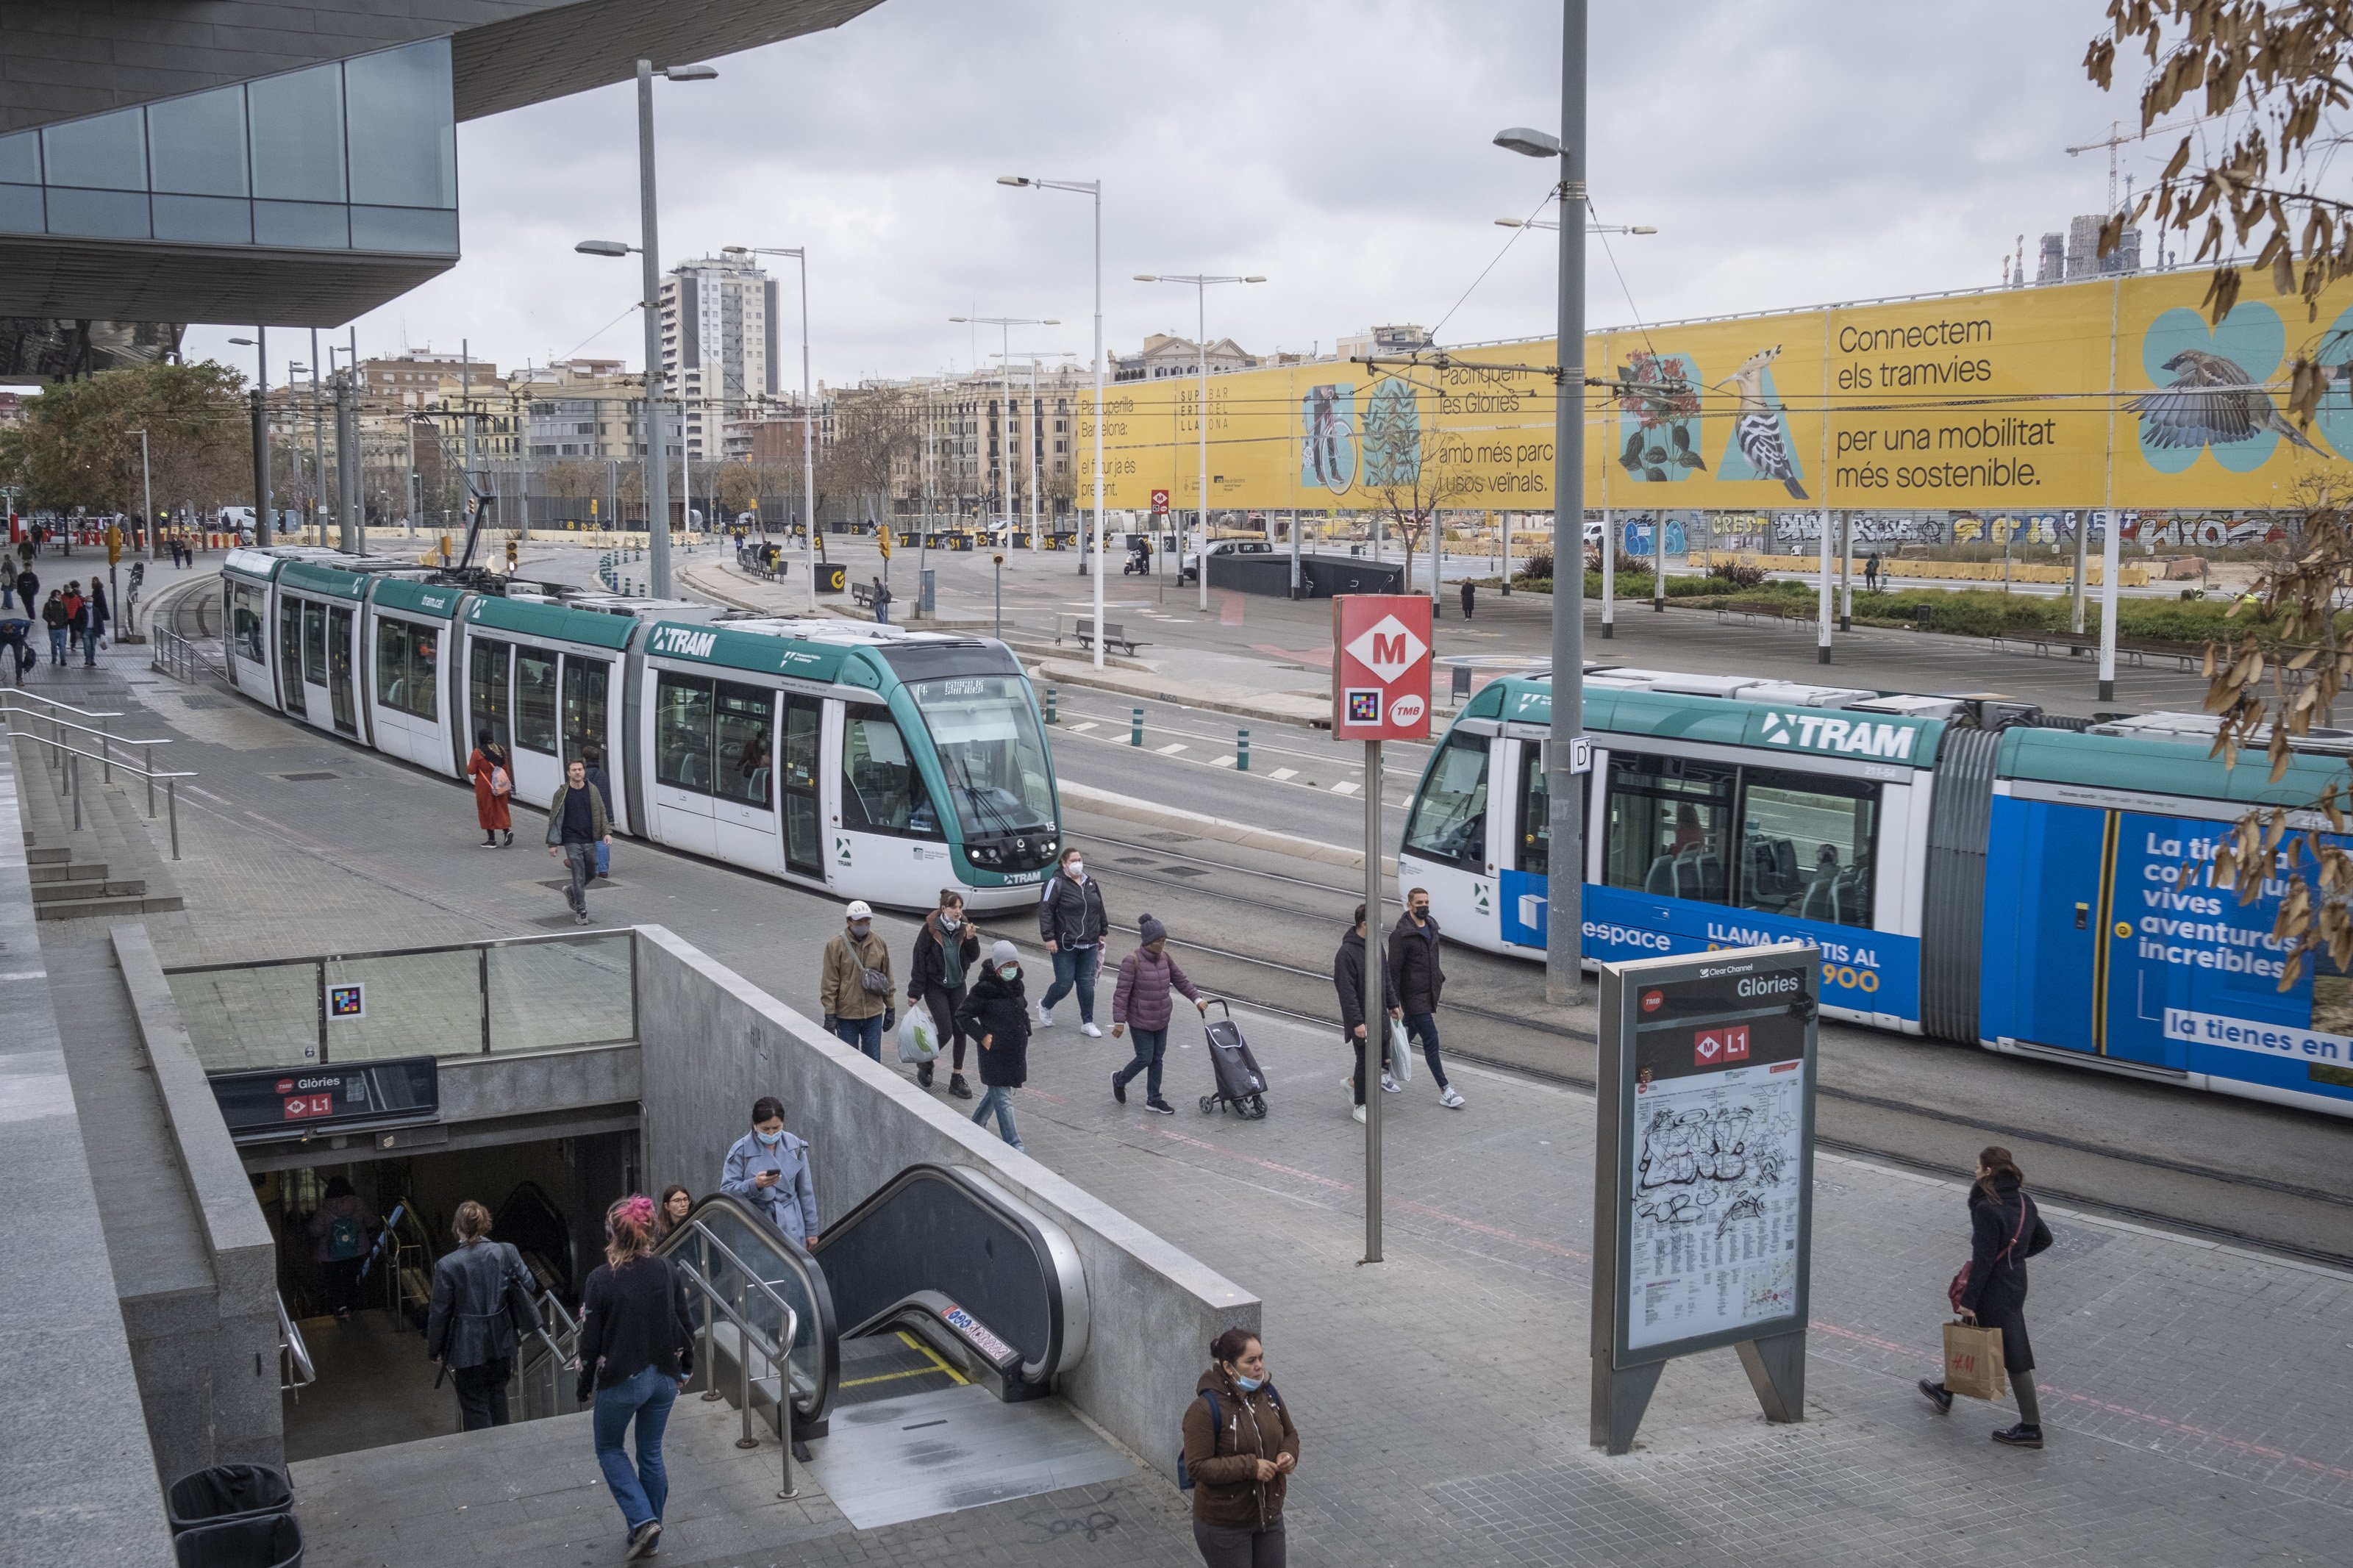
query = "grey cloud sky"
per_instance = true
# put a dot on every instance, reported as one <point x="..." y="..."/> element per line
<point x="1789" y="154"/>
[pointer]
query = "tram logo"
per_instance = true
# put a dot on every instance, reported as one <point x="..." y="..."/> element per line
<point x="1817" y="732"/>
<point x="685" y="643"/>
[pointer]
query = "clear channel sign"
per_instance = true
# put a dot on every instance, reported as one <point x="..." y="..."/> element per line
<point x="1703" y="1173"/>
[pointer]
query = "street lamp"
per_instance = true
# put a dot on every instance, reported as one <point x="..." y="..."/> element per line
<point x="1089" y="188"/>
<point x="1200" y="285"/>
<point x="808" y="411"/>
<point x="650" y="249"/>
<point x="1589" y="228"/>
<point x="260" y="345"/>
<point x="1565" y="862"/>
<point x="1005" y="377"/>
<point x="1036" y="437"/>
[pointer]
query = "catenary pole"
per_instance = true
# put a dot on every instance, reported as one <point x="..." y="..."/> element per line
<point x="1376" y="1017"/>
<point x="656" y="441"/>
<point x="1564" y="924"/>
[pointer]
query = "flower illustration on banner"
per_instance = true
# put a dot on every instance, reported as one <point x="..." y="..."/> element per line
<point x="1658" y="416"/>
<point x="2210" y="390"/>
<point x="1392" y="435"/>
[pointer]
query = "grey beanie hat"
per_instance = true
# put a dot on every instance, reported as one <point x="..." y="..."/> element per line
<point x="1149" y="931"/>
<point x="1004" y="953"/>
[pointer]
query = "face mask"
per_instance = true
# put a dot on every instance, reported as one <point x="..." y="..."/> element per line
<point x="860" y="928"/>
<point x="1076" y="868"/>
<point x="1012" y="972"/>
<point x="770" y="1138"/>
<point x="949" y="922"/>
<point x="1249" y="1384"/>
<point x="1421" y="912"/>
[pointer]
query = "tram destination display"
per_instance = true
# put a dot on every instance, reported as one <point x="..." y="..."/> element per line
<point x="275" y="1103"/>
<point x="1703" y="1173"/>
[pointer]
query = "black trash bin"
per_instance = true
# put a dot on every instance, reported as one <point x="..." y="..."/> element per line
<point x="266" y="1541"/>
<point x="227" y="1492"/>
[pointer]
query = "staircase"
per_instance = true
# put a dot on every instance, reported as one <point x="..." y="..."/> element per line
<point x="109" y="866"/>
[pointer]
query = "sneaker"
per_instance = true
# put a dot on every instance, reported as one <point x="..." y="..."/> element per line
<point x="580" y="919"/>
<point x="1119" y="1089"/>
<point x="1045" y="1019"/>
<point x="958" y="1088"/>
<point x="643" y="1539"/>
<point x="1937" y="1395"/>
<point x="1090" y="1031"/>
<point x="2019" y="1436"/>
<point x="1390" y="1085"/>
<point x="1357" y="1113"/>
<point x="1160" y="1105"/>
<point x="1451" y="1099"/>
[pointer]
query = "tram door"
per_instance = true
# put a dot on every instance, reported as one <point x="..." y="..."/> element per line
<point x="799" y="779"/>
<point x="290" y="656"/>
<point x="339" y="670"/>
<point x="537" y="726"/>
<point x="315" y="652"/>
<point x="744" y="778"/>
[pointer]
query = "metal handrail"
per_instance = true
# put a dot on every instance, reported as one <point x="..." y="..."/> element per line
<point x="551" y="938"/>
<point x="73" y="783"/>
<point x="19" y="693"/>
<point x="749" y="1339"/>
<point x="294" y="1367"/>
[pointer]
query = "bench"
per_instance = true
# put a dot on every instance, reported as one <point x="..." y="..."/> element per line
<point x="1082" y="629"/>
<point x="2136" y="652"/>
<point x="863" y="593"/>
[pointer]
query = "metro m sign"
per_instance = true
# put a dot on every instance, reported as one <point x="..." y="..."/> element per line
<point x="1380" y="667"/>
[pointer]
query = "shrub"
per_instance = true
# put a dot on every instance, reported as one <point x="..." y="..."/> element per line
<point x="1536" y="565"/>
<point x="1740" y="573"/>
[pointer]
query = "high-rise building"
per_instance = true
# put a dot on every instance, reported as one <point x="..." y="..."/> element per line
<point x="719" y="352"/>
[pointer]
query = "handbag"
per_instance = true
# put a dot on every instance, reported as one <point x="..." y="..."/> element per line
<point x="499" y="784"/>
<point x="1973" y="1361"/>
<point x="1960" y="1282"/>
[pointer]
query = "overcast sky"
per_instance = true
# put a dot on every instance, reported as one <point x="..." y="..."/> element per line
<point x="1789" y="154"/>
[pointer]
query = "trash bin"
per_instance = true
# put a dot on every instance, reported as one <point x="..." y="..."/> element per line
<point x="271" y="1541"/>
<point x="227" y="1492"/>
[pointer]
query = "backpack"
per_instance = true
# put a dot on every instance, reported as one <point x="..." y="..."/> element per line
<point x="344" y="1241"/>
<point x="1217" y="1421"/>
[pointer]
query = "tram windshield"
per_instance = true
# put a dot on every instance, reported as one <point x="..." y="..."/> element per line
<point x="991" y="752"/>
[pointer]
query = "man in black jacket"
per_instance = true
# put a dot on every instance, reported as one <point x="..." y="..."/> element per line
<point x="482" y="1307"/>
<point x="1071" y="923"/>
<point x="1413" y="959"/>
<point x="1349" y="978"/>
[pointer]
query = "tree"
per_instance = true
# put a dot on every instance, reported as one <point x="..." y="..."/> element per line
<point x="1409" y="468"/>
<point x="874" y="430"/>
<point x="78" y="443"/>
<point x="2275" y="77"/>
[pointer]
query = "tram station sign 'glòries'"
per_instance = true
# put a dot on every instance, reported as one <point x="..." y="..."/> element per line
<point x="276" y="1103"/>
<point x="1704" y="1174"/>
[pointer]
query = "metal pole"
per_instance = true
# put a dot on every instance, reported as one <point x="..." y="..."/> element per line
<point x="1846" y="571"/>
<point x="1608" y="570"/>
<point x="2111" y="547"/>
<point x="1822" y="599"/>
<point x="1294" y="552"/>
<point x="809" y="444"/>
<point x="1099" y="429"/>
<point x="1201" y="424"/>
<point x="1375" y="1016"/>
<point x="1030" y="440"/>
<point x="261" y="437"/>
<point x="649" y="246"/>
<point x="1658" y="563"/>
<point x="318" y="444"/>
<point x="146" y="497"/>
<point x="347" y="461"/>
<point x="1565" y="924"/>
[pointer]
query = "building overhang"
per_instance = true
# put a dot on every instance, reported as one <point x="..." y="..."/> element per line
<point x="159" y="281"/>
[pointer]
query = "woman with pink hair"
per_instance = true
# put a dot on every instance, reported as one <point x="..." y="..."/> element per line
<point x="637" y="1351"/>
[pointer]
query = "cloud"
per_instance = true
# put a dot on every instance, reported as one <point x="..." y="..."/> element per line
<point x="1789" y="154"/>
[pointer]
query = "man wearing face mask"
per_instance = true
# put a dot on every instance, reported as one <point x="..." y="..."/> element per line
<point x="1071" y="923"/>
<point x="1413" y="959"/>
<point x="857" y="988"/>
<point x="947" y="952"/>
<point x="768" y="1168"/>
<point x="997" y="1015"/>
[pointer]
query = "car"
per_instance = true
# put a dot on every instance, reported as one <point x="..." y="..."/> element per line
<point x="1191" y="568"/>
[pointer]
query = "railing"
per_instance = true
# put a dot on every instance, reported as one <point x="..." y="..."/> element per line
<point x="547" y="1365"/>
<point x="756" y="1297"/>
<point x="181" y="659"/>
<point x="70" y="757"/>
<point x="294" y="1368"/>
<point x="509" y="994"/>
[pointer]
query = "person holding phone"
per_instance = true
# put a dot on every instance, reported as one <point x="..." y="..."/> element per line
<point x="769" y="1169"/>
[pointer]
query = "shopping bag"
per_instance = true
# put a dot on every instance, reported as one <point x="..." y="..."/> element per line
<point x="1973" y="1361"/>
<point x="919" y="1042"/>
<point x="1401" y="1053"/>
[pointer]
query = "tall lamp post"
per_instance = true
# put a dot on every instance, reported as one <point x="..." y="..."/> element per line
<point x="1565" y="863"/>
<point x="1005" y="377"/>
<point x="808" y="411"/>
<point x="260" y="345"/>
<point x="1200" y="284"/>
<point x="650" y="249"/>
<point x="1089" y="188"/>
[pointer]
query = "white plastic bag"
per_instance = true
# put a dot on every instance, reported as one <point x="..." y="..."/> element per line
<point x="1401" y="1053"/>
<point x="919" y="1040"/>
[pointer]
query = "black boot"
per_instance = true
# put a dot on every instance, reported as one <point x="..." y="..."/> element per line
<point x="957" y="1087"/>
<point x="923" y="1074"/>
<point x="1938" y="1395"/>
<point x="2019" y="1436"/>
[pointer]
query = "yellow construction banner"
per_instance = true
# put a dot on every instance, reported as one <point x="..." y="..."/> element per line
<point x="2111" y="392"/>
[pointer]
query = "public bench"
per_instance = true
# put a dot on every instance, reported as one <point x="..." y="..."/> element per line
<point x="1082" y="629"/>
<point x="862" y="594"/>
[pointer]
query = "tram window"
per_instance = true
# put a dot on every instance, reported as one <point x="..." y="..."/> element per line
<point x="424" y="663"/>
<point x="746" y="720"/>
<point x="804" y="734"/>
<point x="485" y="682"/>
<point x="392" y="664"/>
<point x="314" y="644"/>
<point x="881" y="790"/>
<point x="1805" y="845"/>
<point x="534" y="701"/>
<point x="682" y="732"/>
<point x="584" y="704"/>
<point x="1669" y="826"/>
<point x="1532" y="849"/>
<point x="1449" y="821"/>
<point x="246" y="621"/>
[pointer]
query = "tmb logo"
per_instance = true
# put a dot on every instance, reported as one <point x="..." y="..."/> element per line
<point x="1652" y="1000"/>
<point x="1723" y="1044"/>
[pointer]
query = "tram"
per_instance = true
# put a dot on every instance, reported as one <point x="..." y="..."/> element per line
<point x="1971" y="869"/>
<point x="873" y="763"/>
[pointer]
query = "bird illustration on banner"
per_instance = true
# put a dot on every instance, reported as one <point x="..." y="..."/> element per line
<point x="1756" y="426"/>
<point x="2212" y="402"/>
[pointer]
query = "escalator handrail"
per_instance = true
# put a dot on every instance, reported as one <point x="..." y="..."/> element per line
<point x="1058" y="1260"/>
<point x="825" y="1332"/>
<point x="297" y="1371"/>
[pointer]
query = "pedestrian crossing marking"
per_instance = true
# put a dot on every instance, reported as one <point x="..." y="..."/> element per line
<point x="1171" y="749"/>
<point x="1346" y="786"/>
<point x="1225" y="762"/>
<point x="1284" y="774"/>
<point x="1082" y="729"/>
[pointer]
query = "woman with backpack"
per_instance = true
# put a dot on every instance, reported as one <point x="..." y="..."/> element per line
<point x="494" y="785"/>
<point x="340" y="1234"/>
<point x="1240" y="1451"/>
<point x="995" y="1013"/>
<point x="2005" y="1230"/>
<point x="637" y="1351"/>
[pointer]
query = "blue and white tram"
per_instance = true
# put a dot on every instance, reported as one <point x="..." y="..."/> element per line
<point x="871" y="762"/>
<point x="1969" y="870"/>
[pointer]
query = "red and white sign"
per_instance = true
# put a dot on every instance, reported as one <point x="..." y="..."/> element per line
<point x="1160" y="504"/>
<point x="1653" y="1000"/>
<point x="1721" y="1046"/>
<point x="1380" y="667"/>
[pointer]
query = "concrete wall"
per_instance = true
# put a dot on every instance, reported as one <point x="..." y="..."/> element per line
<point x="713" y="1042"/>
<point x="207" y="1361"/>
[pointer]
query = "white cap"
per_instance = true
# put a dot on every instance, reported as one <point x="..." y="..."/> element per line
<point x="859" y="912"/>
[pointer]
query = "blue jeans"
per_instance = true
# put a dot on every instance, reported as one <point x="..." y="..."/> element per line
<point x="865" y="1034"/>
<point x="1151" y="1044"/>
<point x="997" y="1098"/>
<point x="90" y="645"/>
<point x="1423" y="1026"/>
<point x="640" y="1489"/>
<point x="1074" y="970"/>
<point x="57" y="644"/>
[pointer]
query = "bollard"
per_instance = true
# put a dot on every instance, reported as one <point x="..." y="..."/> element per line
<point x="1242" y="751"/>
<point x="1049" y="706"/>
<point x="1135" y="729"/>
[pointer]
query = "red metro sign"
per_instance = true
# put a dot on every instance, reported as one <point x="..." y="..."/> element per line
<point x="1380" y="667"/>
